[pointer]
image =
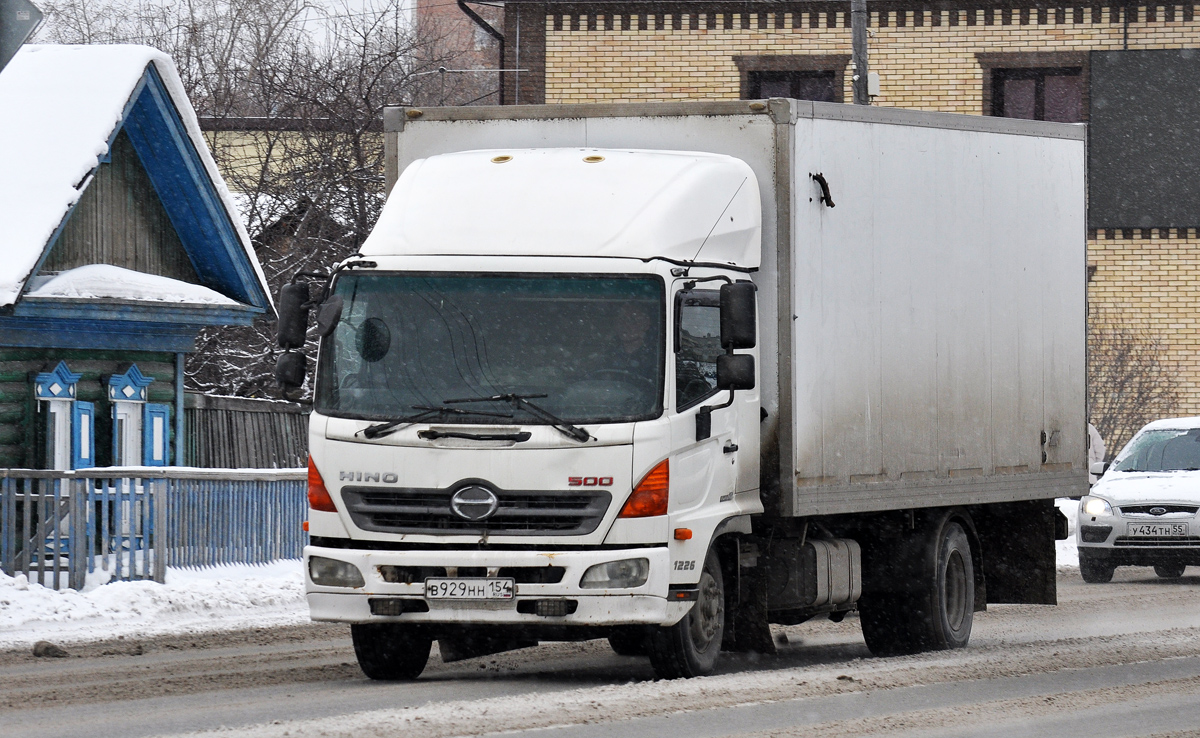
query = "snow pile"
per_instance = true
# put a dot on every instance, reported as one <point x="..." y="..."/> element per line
<point x="192" y="601"/>
<point x="1068" y="550"/>
<point x="103" y="280"/>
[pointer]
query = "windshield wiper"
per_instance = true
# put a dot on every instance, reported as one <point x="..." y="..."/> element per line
<point x="522" y="402"/>
<point x="433" y="435"/>
<point x="428" y="412"/>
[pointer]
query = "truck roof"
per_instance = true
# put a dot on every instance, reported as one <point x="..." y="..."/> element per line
<point x="678" y="206"/>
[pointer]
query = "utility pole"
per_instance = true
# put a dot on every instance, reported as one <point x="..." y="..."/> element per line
<point x="858" y="60"/>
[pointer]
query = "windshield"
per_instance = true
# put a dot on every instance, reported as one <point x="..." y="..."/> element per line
<point x="1161" y="450"/>
<point x="590" y="348"/>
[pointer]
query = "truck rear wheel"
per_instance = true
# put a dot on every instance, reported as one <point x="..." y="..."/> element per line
<point x="388" y="651"/>
<point x="690" y="647"/>
<point x="937" y="610"/>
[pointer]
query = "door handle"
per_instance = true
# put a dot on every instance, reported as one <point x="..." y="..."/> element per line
<point x="730" y="447"/>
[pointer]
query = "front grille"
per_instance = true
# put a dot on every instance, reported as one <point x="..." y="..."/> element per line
<point x="551" y="512"/>
<point x="1158" y="542"/>
<point x="394" y="574"/>
<point x="1168" y="509"/>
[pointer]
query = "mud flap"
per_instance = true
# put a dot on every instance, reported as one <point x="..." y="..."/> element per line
<point x="1018" y="551"/>
<point x="746" y="625"/>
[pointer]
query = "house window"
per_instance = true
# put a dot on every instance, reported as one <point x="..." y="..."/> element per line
<point x="1038" y="94"/>
<point x="820" y="77"/>
<point x="1036" y="85"/>
<point x="818" y="86"/>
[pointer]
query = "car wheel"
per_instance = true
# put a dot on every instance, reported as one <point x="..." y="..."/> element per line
<point x="690" y="647"/>
<point x="388" y="651"/>
<point x="1095" y="570"/>
<point x="1171" y="570"/>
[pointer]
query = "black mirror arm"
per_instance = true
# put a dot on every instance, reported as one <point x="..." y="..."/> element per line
<point x="704" y="417"/>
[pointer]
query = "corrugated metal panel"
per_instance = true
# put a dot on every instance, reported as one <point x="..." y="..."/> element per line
<point x="120" y="221"/>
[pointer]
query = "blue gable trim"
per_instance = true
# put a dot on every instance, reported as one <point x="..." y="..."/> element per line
<point x="101" y="309"/>
<point x="98" y="334"/>
<point x="187" y="193"/>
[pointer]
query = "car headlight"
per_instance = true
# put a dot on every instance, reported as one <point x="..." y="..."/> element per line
<point x="616" y="574"/>
<point x="333" y="573"/>
<point x="1096" y="506"/>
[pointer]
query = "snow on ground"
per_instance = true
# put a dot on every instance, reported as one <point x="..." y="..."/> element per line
<point x="192" y="601"/>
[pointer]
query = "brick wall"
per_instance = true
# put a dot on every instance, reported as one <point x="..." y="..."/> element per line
<point x="926" y="59"/>
<point x="1151" y="277"/>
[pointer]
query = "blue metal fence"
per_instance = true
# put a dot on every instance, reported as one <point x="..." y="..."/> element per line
<point x="57" y="527"/>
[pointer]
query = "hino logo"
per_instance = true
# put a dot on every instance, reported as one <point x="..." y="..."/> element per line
<point x="358" y="476"/>
<point x="474" y="503"/>
<point x="1158" y="511"/>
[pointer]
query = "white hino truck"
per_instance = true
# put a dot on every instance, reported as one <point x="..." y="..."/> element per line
<point x="667" y="374"/>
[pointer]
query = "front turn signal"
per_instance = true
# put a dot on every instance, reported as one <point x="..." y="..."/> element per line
<point x="649" y="497"/>
<point x="318" y="496"/>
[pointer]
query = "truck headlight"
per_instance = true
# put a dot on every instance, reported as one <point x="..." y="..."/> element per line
<point x="334" y="573"/>
<point x="616" y="574"/>
<point x="1096" y="506"/>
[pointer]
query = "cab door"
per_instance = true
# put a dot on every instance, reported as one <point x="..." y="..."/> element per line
<point x="702" y="469"/>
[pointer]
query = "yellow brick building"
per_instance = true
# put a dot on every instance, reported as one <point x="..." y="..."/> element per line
<point x="942" y="56"/>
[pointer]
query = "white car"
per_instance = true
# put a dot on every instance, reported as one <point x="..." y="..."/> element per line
<point x="1142" y="512"/>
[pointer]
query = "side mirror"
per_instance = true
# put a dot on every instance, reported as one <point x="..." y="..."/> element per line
<point x="1098" y="467"/>
<point x="735" y="372"/>
<point x="290" y="370"/>
<point x="328" y="315"/>
<point x="293" y="315"/>
<point x="737" y="316"/>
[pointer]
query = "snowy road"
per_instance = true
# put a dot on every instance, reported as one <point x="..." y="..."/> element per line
<point x="1111" y="660"/>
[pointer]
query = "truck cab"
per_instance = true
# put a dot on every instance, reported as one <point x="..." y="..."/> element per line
<point x="535" y="417"/>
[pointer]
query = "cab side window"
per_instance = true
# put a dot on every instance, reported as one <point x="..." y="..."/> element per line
<point x="697" y="346"/>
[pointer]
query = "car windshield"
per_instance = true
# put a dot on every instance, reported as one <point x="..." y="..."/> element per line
<point x="1161" y="450"/>
<point x="589" y="348"/>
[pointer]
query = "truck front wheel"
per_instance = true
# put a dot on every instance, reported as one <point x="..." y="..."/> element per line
<point x="389" y="651"/>
<point x="936" y="611"/>
<point x="690" y="647"/>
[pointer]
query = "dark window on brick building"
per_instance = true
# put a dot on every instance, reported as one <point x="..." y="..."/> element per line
<point x="1038" y="94"/>
<point x="817" y="85"/>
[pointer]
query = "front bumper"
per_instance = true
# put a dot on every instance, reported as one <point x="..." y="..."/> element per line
<point x="644" y="605"/>
<point x="1109" y="537"/>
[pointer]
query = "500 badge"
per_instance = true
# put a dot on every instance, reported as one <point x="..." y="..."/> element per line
<point x="589" y="481"/>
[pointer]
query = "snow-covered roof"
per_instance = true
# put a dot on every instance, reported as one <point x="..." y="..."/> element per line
<point x="682" y="206"/>
<point x="103" y="281"/>
<point x="62" y="107"/>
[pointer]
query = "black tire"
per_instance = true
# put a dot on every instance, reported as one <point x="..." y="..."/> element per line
<point x="629" y="642"/>
<point x="390" y="652"/>
<point x="1095" y="570"/>
<point x="1170" y="570"/>
<point x="690" y="647"/>
<point x="937" y="611"/>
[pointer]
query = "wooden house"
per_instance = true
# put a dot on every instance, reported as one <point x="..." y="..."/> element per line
<point x="119" y="242"/>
